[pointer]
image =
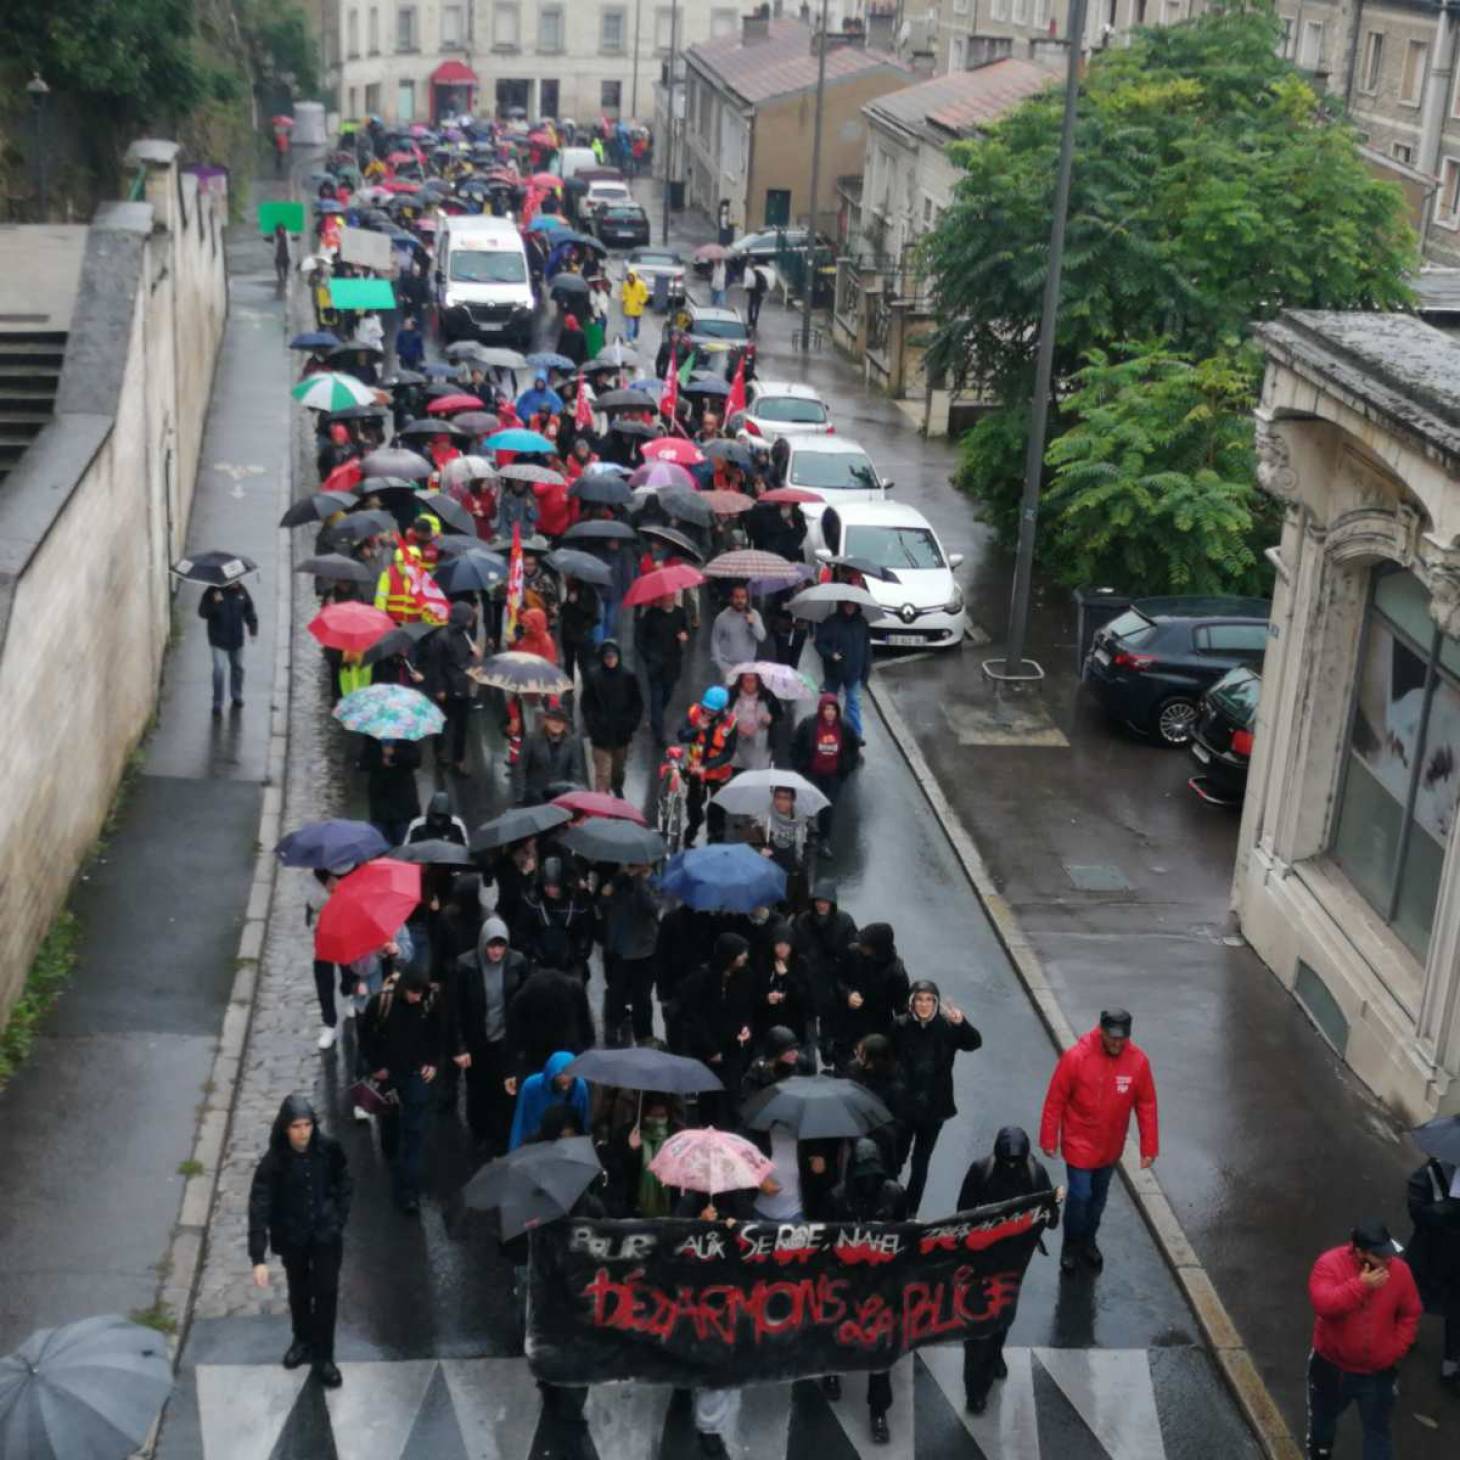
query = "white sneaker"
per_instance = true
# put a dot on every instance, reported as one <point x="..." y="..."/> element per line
<point x="327" y="1036"/>
<point x="349" y="1009"/>
<point x="362" y="1114"/>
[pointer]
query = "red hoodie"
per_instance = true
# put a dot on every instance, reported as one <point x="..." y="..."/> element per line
<point x="1089" y="1103"/>
<point x="1360" y="1329"/>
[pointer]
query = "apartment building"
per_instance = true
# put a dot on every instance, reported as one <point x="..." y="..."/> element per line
<point x="582" y="59"/>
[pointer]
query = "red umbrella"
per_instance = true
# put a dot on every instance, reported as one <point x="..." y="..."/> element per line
<point x="448" y="405"/>
<point x="353" y="627"/>
<point x="678" y="449"/>
<point x="726" y="502"/>
<point x="344" y="478"/>
<point x="599" y="803"/>
<point x="790" y="494"/>
<point x="661" y="581"/>
<point x="366" y="909"/>
<point x="546" y="180"/>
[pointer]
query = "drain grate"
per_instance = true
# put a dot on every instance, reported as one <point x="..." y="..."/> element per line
<point x="1096" y="877"/>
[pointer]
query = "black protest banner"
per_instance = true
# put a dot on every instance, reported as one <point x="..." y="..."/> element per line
<point x="686" y="1303"/>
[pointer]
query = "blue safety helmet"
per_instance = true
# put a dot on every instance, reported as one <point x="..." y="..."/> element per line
<point x="715" y="699"/>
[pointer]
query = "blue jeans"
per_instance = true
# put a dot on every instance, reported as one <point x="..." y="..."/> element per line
<point x="231" y="661"/>
<point x="851" y="695"/>
<point x="1085" y="1202"/>
<point x="631" y="326"/>
<point x="1331" y="1390"/>
<point x="717" y="298"/>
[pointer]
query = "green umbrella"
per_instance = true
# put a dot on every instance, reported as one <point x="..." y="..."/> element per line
<point x="331" y="391"/>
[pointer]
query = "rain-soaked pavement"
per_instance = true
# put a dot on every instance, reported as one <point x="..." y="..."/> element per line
<point x="429" y="1342"/>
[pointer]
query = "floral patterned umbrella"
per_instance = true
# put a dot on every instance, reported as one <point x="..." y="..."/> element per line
<point x="390" y="712"/>
<point x="710" y="1160"/>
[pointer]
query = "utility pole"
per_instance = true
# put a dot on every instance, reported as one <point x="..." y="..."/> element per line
<point x="39" y="94"/>
<point x="669" y="123"/>
<point x="638" y="31"/>
<point x="809" y="283"/>
<point x="1014" y="666"/>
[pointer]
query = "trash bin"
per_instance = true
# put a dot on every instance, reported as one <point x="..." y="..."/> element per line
<point x="1094" y="608"/>
<point x="676" y="195"/>
<point x="661" y="293"/>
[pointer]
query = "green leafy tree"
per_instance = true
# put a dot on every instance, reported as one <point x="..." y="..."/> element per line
<point x="282" y="43"/>
<point x="1153" y="478"/>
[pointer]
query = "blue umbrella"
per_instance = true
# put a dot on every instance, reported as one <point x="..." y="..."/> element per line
<point x="314" y="340"/>
<point x="518" y="438"/>
<point x="547" y="360"/>
<point x="331" y="844"/>
<point x="723" y="878"/>
<point x="545" y="221"/>
<point x="441" y="372"/>
<point x="475" y="571"/>
<point x="707" y="386"/>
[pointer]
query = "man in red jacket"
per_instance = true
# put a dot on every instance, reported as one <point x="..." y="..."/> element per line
<point x="1086" y="1114"/>
<point x="1366" y="1315"/>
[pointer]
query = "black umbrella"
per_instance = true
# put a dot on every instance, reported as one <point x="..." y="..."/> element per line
<point x="686" y="505"/>
<point x="475" y="571"/>
<point x="84" y="1391"/>
<point x="353" y="352"/>
<point x="602" y="489"/>
<point x="316" y="507"/>
<point x="1440" y="1138"/>
<point x="866" y="567"/>
<point x="454" y="545"/>
<point x="731" y="451"/>
<point x="626" y="400"/>
<point x="574" y="285"/>
<point x="583" y="566"/>
<point x="583" y="240"/>
<point x="397" y="461"/>
<point x="433" y="427"/>
<point x="644" y="1069"/>
<point x="337" y="569"/>
<point x="360" y="525"/>
<point x="536" y="1183"/>
<point x="517" y="825"/>
<point x="453" y="516"/>
<point x="434" y="852"/>
<point x="404" y="639"/>
<point x="601" y="839"/>
<point x="633" y="428"/>
<point x="816" y="1107"/>
<point x="403" y="378"/>
<point x="314" y="340"/>
<point x="214" y="568"/>
<point x="674" y="538"/>
<point x="597" y="531"/>
<point x="440" y="389"/>
<point x="707" y="385"/>
<point x="353" y="413"/>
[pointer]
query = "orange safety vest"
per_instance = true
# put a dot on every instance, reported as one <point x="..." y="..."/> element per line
<point x="709" y="743"/>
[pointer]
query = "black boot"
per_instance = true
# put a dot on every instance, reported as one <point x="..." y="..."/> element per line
<point x="881" y="1435"/>
<point x="327" y="1374"/>
<point x="831" y="1386"/>
<point x="1069" y="1256"/>
<point x="1093" y="1255"/>
<point x="298" y="1354"/>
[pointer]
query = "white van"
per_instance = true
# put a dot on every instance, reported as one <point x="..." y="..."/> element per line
<point x="570" y="161"/>
<point x="483" y="287"/>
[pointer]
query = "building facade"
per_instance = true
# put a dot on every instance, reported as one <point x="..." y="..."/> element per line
<point x="1348" y="873"/>
<point x="749" y="120"/>
<point x="579" y="59"/>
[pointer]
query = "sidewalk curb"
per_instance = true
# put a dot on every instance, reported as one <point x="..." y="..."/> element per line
<point x="182" y="1264"/>
<point x="1221" y="1334"/>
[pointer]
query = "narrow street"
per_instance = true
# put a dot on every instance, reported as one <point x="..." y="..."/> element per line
<point x="430" y="1343"/>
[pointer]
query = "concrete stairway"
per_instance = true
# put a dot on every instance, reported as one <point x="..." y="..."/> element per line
<point x="30" y="369"/>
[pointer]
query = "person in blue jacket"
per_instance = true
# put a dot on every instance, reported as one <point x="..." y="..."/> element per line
<point x="538" y="1092"/>
<point x="844" y="642"/>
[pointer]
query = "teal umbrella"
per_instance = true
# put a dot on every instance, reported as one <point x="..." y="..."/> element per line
<point x="390" y="712"/>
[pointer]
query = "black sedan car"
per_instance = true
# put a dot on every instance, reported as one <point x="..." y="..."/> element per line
<point x="622" y="226"/>
<point x="1150" y="665"/>
<point x="1221" y="744"/>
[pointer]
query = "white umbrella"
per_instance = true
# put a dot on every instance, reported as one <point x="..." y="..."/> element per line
<point x="332" y="391"/>
<point x="750" y="793"/>
<point x="818" y="603"/>
<point x="467" y="469"/>
<point x="782" y="681"/>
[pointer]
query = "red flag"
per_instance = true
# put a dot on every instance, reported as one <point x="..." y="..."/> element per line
<point x="516" y="587"/>
<point x="735" y="401"/>
<point x="669" y="396"/>
<point x="583" y="411"/>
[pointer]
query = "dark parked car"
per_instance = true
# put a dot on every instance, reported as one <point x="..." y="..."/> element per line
<point x="1222" y="741"/>
<point x="1150" y="665"/>
<point x="625" y="226"/>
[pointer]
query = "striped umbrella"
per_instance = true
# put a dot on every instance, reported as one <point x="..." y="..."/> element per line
<point x="332" y="391"/>
<point x="752" y="563"/>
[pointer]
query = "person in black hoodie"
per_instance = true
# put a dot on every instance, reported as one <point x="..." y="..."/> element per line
<point x="659" y="640"/>
<point x="613" y="706"/>
<point x="485" y="984"/>
<point x="577" y="620"/>
<point x="448" y="654"/>
<point x="630" y="917"/>
<point x="867" y="1194"/>
<point x="925" y="1041"/>
<point x="782" y="994"/>
<point x="549" y="1013"/>
<point x="822" y="934"/>
<point x="871" y="987"/>
<point x="298" y="1204"/>
<point x="555" y="925"/>
<point x="1010" y="1171"/>
<point x="1433" y="1253"/>
<point x="390" y="788"/>
<point x="403" y="1041"/>
<point x="716" y="1011"/>
<point x="874" y="1066"/>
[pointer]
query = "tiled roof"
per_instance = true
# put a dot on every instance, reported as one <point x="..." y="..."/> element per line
<point x="963" y="101"/>
<point x="784" y="63"/>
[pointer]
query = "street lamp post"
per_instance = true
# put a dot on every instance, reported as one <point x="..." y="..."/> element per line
<point x="669" y="122"/>
<point x="808" y="283"/>
<point x="1014" y="666"/>
<point x="39" y="93"/>
<point x="638" y="31"/>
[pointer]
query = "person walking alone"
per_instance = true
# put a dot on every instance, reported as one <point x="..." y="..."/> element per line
<point x="1366" y="1313"/>
<point x="1087" y="1109"/>
<point x="613" y="707"/>
<point x="228" y="612"/>
<point x="298" y="1204"/>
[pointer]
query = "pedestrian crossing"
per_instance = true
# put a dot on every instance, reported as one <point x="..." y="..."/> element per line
<point x="1056" y="1404"/>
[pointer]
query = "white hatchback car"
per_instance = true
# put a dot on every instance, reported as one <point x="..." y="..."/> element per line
<point x="783" y="408"/>
<point x="924" y="607"/>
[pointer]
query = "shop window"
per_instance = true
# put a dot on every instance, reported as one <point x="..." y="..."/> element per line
<point x="1402" y="762"/>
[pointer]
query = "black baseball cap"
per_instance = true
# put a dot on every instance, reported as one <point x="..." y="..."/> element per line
<point x="1116" y="1021"/>
<point x="1374" y="1237"/>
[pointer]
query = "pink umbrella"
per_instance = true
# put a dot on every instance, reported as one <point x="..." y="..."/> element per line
<point x="599" y="803"/>
<point x="782" y="681"/>
<point x="661" y="582"/>
<point x="678" y="449"/>
<point x="659" y="474"/>
<point x="790" y="494"/>
<point x="710" y="1160"/>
